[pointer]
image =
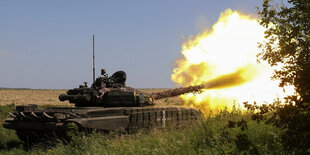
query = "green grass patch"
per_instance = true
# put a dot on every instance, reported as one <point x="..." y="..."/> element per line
<point x="8" y="138"/>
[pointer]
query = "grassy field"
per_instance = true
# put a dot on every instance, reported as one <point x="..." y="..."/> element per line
<point x="225" y="133"/>
<point x="31" y="96"/>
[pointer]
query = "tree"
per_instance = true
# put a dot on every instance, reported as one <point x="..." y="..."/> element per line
<point x="288" y="43"/>
<point x="288" y="46"/>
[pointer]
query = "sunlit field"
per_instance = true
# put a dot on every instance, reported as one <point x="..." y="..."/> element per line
<point x="31" y="96"/>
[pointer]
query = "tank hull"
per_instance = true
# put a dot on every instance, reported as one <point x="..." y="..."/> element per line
<point x="121" y="119"/>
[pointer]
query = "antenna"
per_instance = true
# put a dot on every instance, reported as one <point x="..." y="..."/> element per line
<point x="93" y="58"/>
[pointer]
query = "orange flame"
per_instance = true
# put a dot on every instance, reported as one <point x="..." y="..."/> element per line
<point x="224" y="59"/>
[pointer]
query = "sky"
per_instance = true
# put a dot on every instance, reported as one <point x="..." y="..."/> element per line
<point x="48" y="44"/>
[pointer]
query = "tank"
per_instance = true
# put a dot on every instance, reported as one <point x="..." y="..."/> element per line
<point x="107" y="105"/>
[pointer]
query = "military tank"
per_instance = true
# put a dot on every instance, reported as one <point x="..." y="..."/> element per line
<point x="107" y="105"/>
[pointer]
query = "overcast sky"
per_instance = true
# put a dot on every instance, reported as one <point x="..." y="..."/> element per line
<point x="48" y="44"/>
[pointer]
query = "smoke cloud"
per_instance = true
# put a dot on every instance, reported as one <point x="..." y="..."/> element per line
<point x="238" y="77"/>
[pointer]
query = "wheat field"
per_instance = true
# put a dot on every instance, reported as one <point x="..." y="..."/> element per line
<point x="50" y="97"/>
<point x="31" y="96"/>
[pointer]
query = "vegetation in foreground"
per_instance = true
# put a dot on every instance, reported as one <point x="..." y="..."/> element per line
<point x="287" y="47"/>
<point x="225" y="133"/>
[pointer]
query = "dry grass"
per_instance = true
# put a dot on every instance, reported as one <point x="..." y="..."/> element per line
<point x="31" y="96"/>
<point x="50" y="97"/>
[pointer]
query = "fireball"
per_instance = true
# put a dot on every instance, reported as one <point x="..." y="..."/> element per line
<point x="224" y="58"/>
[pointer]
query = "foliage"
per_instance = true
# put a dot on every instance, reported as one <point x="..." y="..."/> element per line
<point x="288" y="43"/>
<point x="288" y="46"/>
<point x="289" y="118"/>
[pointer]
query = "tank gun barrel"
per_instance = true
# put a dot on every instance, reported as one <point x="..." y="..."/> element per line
<point x="177" y="91"/>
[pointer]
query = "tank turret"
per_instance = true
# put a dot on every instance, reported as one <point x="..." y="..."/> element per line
<point x="107" y="92"/>
<point x="112" y="92"/>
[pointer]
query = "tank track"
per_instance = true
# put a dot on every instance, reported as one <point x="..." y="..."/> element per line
<point x="34" y="124"/>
